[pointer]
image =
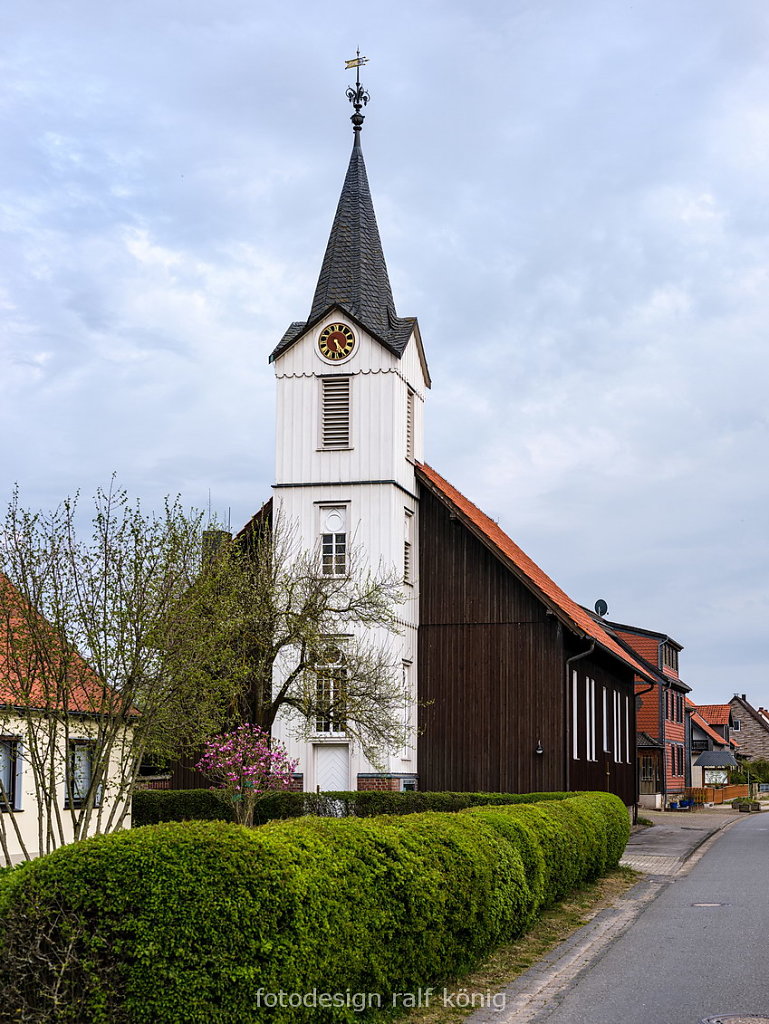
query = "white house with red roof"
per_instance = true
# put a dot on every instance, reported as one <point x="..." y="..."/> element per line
<point x="53" y="786"/>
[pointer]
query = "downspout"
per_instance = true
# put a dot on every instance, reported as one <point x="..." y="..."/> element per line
<point x="570" y="711"/>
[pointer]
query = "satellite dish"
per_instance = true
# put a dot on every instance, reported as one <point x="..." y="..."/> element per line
<point x="601" y="607"/>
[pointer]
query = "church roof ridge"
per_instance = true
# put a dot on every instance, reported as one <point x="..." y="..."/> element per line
<point x="490" y="533"/>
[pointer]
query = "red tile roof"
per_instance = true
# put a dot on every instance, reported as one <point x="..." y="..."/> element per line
<point x="491" y="534"/>
<point x="697" y="717"/>
<point x="68" y="684"/>
<point x="647" y="646"/>
<point x="716" y="714"/>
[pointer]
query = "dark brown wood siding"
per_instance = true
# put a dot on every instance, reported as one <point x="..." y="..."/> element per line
<point x="491" y="675"/>
<point x="605" y="746"/>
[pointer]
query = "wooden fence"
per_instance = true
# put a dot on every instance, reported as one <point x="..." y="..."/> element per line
<point x="716" y="794"/>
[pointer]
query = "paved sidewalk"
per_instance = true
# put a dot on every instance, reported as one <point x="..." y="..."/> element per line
<point x="661" y="849"/>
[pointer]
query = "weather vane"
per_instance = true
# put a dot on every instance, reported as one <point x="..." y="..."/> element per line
<point x="357" y="96"/>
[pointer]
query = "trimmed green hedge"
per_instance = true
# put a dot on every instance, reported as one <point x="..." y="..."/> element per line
<point x="155" y="805"/>
<point x="193" y="922"/>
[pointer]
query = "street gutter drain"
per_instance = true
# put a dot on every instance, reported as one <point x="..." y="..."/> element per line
<point x="736" y="1018"/>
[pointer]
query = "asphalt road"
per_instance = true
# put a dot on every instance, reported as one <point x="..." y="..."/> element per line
<point x="701" y="948"/>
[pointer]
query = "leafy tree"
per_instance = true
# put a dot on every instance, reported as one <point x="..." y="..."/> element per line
<point x="99" y="643"/>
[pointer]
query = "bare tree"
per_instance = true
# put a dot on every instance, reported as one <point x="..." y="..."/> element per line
<point x="299" y="641"/>
<point x="101" y="659"/>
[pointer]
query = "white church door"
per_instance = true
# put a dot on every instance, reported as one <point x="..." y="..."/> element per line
<point x="332" y="767"/>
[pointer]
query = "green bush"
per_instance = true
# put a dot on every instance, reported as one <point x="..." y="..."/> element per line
<point x="153" y="806"/>
<point x="192" y="922"/>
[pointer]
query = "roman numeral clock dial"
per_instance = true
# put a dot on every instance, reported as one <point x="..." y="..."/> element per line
<point x="336" y="342"/>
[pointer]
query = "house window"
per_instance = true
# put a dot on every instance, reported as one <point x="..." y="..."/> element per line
<point x="335" y="412"/>
<point x="590" y="718"/>
<point x="617" y="730"/>
<point x="736" y="725"/>
<point x="333" y="541"/>
<point x="605" y="719"/>
<point x="677" y="761"/>
<point x="574" y="717"/>
<point x="330" y="691"/>
<point x="670" y="656"/>
<point x="10" y="770"/>
<point x="407" y="548"/>
<point x="627" y="729"/>
<point x="80" y="773"/>
<point x="410" y="406"/>
<point x="334" y="547"/>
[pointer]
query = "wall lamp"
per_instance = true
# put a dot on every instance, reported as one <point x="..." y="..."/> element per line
<point x="539" y="748"/>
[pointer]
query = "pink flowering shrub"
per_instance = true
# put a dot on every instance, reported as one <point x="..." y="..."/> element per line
<point x="244" y="764"/>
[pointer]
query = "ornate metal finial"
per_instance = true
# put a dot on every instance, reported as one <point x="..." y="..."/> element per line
<point x="357" y="96"/>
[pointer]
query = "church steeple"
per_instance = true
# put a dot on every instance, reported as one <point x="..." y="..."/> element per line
<point x="353" y="276"/>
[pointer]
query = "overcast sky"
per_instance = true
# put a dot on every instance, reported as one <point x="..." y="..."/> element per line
<point x="572" y="198"/>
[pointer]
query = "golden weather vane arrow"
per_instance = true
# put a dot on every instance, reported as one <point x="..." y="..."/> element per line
<point x="358" y="95"/>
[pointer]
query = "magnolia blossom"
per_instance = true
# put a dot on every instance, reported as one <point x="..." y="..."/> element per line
<point x="247" y="761"/>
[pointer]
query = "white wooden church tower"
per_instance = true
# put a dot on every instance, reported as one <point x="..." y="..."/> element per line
<point x="351" y="384"/>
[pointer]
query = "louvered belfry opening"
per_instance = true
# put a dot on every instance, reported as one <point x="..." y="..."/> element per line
<point x="410" y="424"/>
<point x="335" y="412"/>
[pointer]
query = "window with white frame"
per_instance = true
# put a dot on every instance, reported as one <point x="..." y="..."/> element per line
<point x="736" y="725"/>
<point x="10" y="771"/>
<point x="605" y="719"/>
<point x="335" y="412"/>
<point x="330" y="691"/>
<point x="333" y="540"/>
<point x="590" y="719"/>
<point x="574" y="716"/>
<point x="80" y="763"/>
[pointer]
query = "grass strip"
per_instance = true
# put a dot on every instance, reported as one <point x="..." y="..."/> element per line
<point x="508" y="962"/>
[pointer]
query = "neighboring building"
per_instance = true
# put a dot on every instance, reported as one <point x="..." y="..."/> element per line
<point x="36" y="732"/>
<point x="703" y="740"/>
<point x="750" y="727"/>
<point x="517" y="687"/>
<point x="719" y="718"/>
<point x="664" y="755"/>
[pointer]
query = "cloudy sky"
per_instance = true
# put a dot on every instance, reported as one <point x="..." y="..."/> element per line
<point x="572" y="197"/>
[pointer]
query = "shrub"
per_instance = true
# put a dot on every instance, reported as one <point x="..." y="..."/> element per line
<point x="192" y="922"/>
<point x="153" y="806"/>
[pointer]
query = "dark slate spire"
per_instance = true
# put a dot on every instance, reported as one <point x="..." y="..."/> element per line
<point x="354" y="272"/>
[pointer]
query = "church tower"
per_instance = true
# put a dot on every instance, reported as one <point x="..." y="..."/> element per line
<point x="351" y="384"/>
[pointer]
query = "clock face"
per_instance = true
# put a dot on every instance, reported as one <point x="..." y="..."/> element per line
<point x="336" y="341"/>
